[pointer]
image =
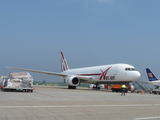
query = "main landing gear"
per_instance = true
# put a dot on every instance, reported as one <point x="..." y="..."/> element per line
<point x="71" y="87"/>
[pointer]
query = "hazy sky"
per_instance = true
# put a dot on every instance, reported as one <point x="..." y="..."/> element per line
<point x="89" y="32"/>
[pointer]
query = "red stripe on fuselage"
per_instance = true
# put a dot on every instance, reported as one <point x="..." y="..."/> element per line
<point x="102" y="75"/>
<point x="88" y="74"/>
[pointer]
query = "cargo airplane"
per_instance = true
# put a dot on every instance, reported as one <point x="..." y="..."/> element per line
<point x="152" y="78"/>
<point x="104" y="74"/>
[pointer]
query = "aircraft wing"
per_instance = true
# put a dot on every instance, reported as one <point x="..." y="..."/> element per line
<point x="38" y="71"/>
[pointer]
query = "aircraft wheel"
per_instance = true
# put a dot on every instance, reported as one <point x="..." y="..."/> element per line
<point x="155" y="92"/>
<point x="71" y="87"/>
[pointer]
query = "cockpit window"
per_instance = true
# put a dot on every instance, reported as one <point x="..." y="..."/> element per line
<point x="130" y="69"/>
<point x="133" y="69"/>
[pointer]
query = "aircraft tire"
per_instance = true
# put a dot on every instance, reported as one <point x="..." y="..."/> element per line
<point x="155" y="92"/>
<point x="71" y="87"/>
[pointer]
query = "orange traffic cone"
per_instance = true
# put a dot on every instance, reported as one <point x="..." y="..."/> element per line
<point x="142" y="92"/>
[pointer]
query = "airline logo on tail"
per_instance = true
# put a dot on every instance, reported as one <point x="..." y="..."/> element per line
<point x="151" y="76"/>
<point x="64" y="65"/>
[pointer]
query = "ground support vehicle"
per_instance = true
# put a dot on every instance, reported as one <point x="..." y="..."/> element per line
<point x="156" y="90"/>
<point x="17" y="89"/>
<point x="117" y="88"/>
<point x="17" y="81"/>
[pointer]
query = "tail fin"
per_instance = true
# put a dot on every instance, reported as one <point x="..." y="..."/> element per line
<point x="150" y="75"/>
<point x="64" y="65"/>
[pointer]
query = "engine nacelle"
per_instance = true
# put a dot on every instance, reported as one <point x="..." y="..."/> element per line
<point x="72" y="81"/>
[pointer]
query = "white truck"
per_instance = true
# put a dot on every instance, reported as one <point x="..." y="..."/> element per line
<point x="156" y="90"/>
<point x="17" y="81"/>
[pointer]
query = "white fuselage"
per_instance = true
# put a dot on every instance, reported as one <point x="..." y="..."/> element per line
<point x="157" y="81"/>
<point x="104" y="73"/>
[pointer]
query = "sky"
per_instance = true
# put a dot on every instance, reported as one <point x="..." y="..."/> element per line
<point x="89" y="32"/>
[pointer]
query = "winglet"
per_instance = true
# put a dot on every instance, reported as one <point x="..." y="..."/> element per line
<point x="150" y="75"/>
<point x="64" y="65"/>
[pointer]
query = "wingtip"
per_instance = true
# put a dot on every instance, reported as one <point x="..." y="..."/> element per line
<point x="8" y="67"/>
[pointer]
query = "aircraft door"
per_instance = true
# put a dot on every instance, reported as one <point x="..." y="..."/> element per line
<point x="115" y="71"/>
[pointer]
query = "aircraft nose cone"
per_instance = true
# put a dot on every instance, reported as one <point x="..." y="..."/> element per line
<point x="137" y="75"/>
<point x="133" y="76"/>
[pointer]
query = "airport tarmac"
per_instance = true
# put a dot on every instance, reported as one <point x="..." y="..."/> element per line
<point x="60" y="103"/>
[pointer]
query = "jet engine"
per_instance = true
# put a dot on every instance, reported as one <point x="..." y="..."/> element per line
<point x="72" y="81"/>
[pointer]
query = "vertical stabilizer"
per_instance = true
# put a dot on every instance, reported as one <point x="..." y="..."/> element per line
<point x="150" y="75"/>
<point x="64" y="65"/>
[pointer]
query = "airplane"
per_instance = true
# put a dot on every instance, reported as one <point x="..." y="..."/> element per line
<point x="105" y="74"/>
<point x="152" y="78"/>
